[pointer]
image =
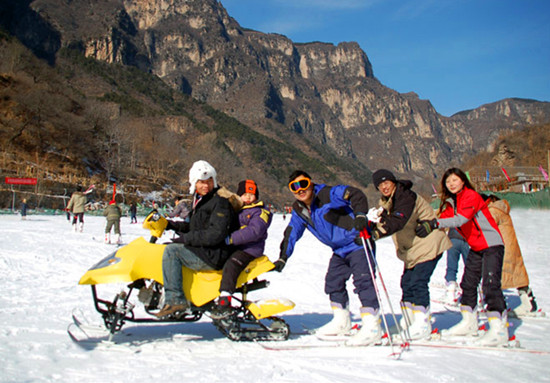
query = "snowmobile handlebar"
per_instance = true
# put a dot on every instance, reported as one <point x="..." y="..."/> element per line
<point x="156" y="224"/>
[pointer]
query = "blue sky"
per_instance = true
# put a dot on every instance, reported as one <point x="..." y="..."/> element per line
<point x="459" y="54"/>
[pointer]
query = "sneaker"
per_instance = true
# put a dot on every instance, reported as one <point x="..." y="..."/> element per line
<point x="168" y="310"/>
<point x="223" y="309"/>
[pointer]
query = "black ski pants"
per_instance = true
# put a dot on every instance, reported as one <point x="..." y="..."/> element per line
<point x="484" y="265"/>
<point x="233" y="268"/>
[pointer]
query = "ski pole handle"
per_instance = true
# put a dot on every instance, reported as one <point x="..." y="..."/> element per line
<point x="364" y="234"/>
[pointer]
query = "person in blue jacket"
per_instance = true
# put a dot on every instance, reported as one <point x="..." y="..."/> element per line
<point x="335" y="215"/>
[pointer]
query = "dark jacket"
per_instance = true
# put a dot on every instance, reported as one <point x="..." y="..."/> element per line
<point x="112" y="212"/>
<point x="254" y="220"/>
<point x="210" y="222"/>
<point x="399" y="219"/>
<point x="330" y="219"/>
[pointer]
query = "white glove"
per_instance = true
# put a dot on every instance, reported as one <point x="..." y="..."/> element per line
<point x="374" y="214"/>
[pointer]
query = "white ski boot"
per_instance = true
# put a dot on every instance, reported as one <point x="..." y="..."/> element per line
<point x="370" y="332"/>
<point x="339" y="325"/>
<point x="467" y="326"/>
<point x="81" y="227"/>
<point x="528" y="305"/>
<point x="107" y="237"/>
<point x="450" y="297"/>
<point x="75" y="228"/>
<point x="118" y="239"/>
<point x="421" y="327"/>
<point x="498" y="330"/>
<point x="408" y="315"/>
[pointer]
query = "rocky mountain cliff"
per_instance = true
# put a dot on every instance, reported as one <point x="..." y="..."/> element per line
<point x="309" y="95"/>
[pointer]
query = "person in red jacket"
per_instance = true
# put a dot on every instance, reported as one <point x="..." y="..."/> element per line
<point x="464" y="209"/>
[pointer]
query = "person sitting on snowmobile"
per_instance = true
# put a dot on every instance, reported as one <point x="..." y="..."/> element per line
<point x="336" y="215"/>
<point x="254" y="220"/>
<point x="201" y="242"/>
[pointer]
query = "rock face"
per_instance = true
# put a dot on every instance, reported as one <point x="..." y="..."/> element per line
<point x="324" y="93"/>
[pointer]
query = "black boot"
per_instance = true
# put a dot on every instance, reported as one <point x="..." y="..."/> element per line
<point x="223" y="309"/>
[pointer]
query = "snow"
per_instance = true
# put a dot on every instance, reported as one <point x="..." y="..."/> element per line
<point x="41" y="261"/>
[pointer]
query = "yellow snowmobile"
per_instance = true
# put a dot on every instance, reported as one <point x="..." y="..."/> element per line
<point x="140" y="265"/>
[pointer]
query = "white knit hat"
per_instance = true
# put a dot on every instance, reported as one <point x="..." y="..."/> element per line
<point x="201" y="170"/>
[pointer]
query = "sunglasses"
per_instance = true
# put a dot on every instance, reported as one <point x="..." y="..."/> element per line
<point x="299" y="184"/>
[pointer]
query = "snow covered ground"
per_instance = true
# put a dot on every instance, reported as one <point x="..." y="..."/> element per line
<point x="41" y="261"/>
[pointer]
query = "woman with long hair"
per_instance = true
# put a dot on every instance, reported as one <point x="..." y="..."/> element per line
<point x="464" y="209"/>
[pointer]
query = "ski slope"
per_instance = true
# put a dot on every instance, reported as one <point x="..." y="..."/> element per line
<point x="41" y="261"/>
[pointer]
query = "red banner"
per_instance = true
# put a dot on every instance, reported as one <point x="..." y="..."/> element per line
<point x="506" y="174"/>
<point x="21" y="181"/>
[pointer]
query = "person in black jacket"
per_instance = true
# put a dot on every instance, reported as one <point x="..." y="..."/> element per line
<point x="201" y="241"/>
<point x="402" y="208"/>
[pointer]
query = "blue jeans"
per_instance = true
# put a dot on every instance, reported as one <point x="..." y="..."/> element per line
<point x="460" y="247"/>
<point x="176" y="256"/>
<point x="414" y="282"/>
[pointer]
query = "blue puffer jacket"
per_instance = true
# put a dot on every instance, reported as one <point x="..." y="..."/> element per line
<point x="330" y="219"/>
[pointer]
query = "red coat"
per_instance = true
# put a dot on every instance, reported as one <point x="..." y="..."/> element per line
<point x="472" y="219"/>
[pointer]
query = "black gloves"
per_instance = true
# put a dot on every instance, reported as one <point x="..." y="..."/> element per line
<point x="425" y="227"/>
<point x="279" y="265"/>
<point x="360" y="222"/>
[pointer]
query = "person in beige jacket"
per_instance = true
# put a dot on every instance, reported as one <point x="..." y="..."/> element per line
<point x="76" y="206"/>
<point x="514" y="273"/>
<point x="402" y="208"/>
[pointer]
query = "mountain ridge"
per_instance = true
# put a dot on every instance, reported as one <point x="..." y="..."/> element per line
<point x="320" y="98"/>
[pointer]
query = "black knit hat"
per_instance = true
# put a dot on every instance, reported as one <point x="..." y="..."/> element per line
<point x="248" y="186"/>
<point x="382" y="175"/>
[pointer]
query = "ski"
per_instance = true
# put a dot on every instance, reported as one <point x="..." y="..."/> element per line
<point x="539" y="314"/>
<point x="108" y="243"/>
<point x="460" y="346"/>
<point x="302" y="346"/>
<point x="89" y="329"/>
<point x="90" y="189"/>
<point x="92" y="337"/>
<point x="513" y="347"/>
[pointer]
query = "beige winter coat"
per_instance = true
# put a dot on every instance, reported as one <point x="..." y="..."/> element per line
<point x="410" y="248"/>
<point x="514" y="274"/>
<point x="77" y="202"/>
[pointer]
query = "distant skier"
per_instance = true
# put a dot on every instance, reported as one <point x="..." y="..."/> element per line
<point x="24" y="208"/>
<point x="133" y="213"/>
<point x="181" y="210"/>
<point x="113" y="214"/>
<point x="335" y="215"/>
<point x="76" y="206"/>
